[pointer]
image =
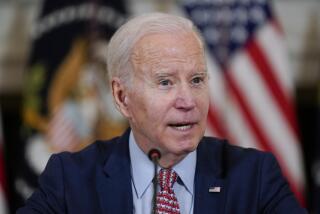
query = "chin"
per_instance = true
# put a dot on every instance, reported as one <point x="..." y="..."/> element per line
<point x="187" y="147"/>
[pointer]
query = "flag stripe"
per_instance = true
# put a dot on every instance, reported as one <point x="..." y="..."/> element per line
<point x="230" y="125"/>
<point x="246" y="112"/>
<point x="217" y="123"/>
<point x="267" y="73"/>
<point x="258" y="133"/>
<point x="267" y="113"/>
<point x="239" y="126"/>
<point x="273" y="45"/>
<point x="256" y="129"/>
<point x="217" y="126"/>
<point x="217" y="95"/>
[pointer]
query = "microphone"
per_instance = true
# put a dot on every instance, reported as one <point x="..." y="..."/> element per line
<point x="154" y="155"/>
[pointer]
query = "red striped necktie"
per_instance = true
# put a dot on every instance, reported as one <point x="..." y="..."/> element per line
<point x="167" y="202"/>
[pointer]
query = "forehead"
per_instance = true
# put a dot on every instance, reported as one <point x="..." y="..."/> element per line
<point x="158" y="48"/>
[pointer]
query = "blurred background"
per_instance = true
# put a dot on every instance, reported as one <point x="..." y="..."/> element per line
<point x="263" y="61"/>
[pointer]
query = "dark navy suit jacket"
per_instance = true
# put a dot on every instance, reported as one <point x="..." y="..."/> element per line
<point x="98" y="180"/>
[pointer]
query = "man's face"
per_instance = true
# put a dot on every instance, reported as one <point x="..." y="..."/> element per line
<point x="168" y="101"/>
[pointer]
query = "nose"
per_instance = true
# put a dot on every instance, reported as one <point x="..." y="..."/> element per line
<point x="185" y="99"/>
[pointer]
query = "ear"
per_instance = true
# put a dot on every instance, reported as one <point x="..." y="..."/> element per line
<point x="120" y="96"/>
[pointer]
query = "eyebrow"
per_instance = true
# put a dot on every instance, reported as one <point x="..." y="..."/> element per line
<point x="203" y="73"/>
<point x="159" y="75"/>
<point x="163" y="73"/>
<point x="170" y="73"/>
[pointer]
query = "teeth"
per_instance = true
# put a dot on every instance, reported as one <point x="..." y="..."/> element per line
<point x="182" y="128"/>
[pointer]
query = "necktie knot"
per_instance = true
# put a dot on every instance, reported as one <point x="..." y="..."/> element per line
<point x="167" y="177"/>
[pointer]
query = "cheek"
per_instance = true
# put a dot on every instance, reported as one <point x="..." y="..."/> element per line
<point x="135" y="106"/>
<point x="146" y="106"/>
<point x="158" y="107"/>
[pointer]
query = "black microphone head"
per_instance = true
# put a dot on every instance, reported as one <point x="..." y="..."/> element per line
<point x="154" y="154"/>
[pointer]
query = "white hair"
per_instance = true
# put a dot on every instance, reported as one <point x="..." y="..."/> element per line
<point x="123" y="41"/>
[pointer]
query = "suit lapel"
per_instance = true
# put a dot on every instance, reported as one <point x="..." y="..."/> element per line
<point x="209" y="185"/>
<point x="114" y="182"/>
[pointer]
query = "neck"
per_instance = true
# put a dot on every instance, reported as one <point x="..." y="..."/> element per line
<point x="169" y="160"/>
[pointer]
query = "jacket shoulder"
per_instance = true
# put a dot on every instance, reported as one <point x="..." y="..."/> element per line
<point x="223" y="146"/>
<point x="229" y="157"/>
<point x="96" y="153"/>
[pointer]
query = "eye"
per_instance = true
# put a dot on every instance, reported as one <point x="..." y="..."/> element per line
<point x="197" y="80"/>
<point x="164" y="82"/>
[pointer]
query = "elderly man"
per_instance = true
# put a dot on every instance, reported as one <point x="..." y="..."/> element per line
<point x="158" y="75"/>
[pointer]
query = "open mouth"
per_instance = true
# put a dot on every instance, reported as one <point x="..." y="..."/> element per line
<point x="182" y="126"/>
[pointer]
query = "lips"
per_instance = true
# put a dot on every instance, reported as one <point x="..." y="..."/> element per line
<point x="182" y="126"/>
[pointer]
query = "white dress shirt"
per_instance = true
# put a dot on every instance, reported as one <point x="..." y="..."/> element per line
<point x="142" y="171"/>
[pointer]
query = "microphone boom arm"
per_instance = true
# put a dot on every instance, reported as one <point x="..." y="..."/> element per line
<point x="154" y="155"/>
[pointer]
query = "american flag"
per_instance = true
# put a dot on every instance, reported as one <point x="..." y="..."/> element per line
<point x="63" y="130"/>
<point x="250" y="80"/>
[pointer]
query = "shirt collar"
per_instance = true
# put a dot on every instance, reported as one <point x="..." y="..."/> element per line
<point x="143" y="169"/>
<point x="186" y="170"/>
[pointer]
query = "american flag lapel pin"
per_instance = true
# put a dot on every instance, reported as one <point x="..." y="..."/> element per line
<point x="215" y="189"/>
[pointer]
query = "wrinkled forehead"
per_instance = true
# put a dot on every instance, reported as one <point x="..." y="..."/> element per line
<point x="154" y="48"/>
